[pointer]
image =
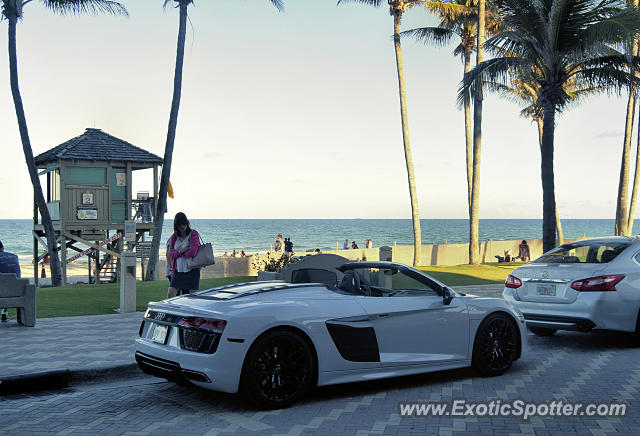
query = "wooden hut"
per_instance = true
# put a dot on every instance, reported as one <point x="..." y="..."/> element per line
<point x="88" y="193"/>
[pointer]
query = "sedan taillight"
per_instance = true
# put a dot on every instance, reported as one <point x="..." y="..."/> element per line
<point x="512" y="282"/>
<point x="601" y="283"/>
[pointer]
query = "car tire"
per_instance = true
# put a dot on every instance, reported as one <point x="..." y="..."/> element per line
<point x="496" y="345"/>
<point x="278" y="370"/>
<point x="542" y="331"/>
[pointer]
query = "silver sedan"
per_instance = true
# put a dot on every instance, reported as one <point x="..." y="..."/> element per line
<point x="582" y="285"/>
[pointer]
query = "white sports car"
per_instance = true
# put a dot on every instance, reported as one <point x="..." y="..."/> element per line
<point x="273" y="341"/>
<point x="582" y="285"/>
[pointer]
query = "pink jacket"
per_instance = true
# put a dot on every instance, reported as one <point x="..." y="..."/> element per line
<point x="194" y="243"/>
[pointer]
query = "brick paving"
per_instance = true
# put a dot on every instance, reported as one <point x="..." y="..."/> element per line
<point x="578" y="367"/>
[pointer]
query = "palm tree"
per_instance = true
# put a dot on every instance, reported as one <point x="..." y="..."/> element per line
<point x="623" y="213"/>
<point x="171" y="132"/>
<point x="12" y="10"/>
<point x="459" y="19"/>
<point x="552" y="42"/>
<point x="396" y="9"/>
<point x="528" y="93"/>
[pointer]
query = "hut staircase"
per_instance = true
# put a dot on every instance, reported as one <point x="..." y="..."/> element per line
<point x="108" y="270"/>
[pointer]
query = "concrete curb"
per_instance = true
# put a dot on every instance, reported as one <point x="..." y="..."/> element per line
<point x="62" y="378"/>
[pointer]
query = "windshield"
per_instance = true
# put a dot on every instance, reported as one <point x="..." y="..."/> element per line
<point x="584" y="252"/>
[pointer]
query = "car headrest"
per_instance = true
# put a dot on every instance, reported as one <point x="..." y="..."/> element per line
<point x="607" y="256"/>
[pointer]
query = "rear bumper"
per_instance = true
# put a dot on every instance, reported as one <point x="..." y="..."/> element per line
<point x="168" y="369"/>
<point x="558" y="322"/>
<point x="590" y="310"/>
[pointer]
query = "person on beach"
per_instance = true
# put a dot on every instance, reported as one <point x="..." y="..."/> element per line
<point x="183" y="245"/>
<point x="368" y="243"/>
<point x="288" y="246"/>
<point x="278" y="247"/>
<point x="243" y="254"/>
<point x="523" y="251"/>
<point x="9" y="263"/>
<point x="354" y="245"/>
<point x="346" y="244"/>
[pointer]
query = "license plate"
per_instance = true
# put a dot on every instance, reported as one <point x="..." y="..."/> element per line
<point x="547" y="290"/>
<point x="160" y="334"/>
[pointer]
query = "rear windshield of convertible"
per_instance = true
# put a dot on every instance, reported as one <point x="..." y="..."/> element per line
<point x="584" y="252"/>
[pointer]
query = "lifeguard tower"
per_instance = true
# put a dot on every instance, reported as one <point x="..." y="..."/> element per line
<point x="88" y="193"/>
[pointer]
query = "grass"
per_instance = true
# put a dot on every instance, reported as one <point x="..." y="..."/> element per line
<point x="461" y="275"/>
<point x="77" y="300"/>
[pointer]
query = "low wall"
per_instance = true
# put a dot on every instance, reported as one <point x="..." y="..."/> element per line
<point x="439" y="254"/>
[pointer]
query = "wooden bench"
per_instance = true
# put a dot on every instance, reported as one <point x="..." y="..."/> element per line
<point x="18" y="293"/>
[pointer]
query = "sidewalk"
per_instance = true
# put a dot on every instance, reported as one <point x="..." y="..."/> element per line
<point x="58" y="351"/>
<point x="81" y="349"/>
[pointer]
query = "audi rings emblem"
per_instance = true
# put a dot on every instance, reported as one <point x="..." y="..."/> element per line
<point x="159" y="316"/>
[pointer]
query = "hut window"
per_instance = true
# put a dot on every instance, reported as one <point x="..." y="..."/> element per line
<point x="86" y="176"/>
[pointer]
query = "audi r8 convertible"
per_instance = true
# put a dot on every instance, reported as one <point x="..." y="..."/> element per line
<point x="273" y="341"/>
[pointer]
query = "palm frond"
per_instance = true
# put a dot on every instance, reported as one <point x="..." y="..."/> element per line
<point x="496" y="70"/>
<point x="76" y="7"/>
<point x="375" y="3"/>
<point x="427" y="35"/>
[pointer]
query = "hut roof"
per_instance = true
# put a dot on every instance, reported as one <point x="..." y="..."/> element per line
<point x="96" y="145"/>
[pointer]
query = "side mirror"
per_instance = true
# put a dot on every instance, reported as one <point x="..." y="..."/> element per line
<point x="447" y="296"/>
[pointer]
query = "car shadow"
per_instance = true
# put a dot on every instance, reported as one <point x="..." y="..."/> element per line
<point x="597" y="340"/>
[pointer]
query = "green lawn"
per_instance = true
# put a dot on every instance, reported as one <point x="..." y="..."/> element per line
<point x="460" y="275"/>
<point x="79" y="300"/>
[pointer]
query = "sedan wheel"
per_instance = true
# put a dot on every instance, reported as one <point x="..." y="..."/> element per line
<point x="496" y="345"/>
<point x="278" y="370"/>
<point x="541" y="331"/>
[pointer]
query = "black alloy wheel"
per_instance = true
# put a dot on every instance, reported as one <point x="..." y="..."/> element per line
<point x="278" y="371"/>
<point x="496" y="345"/>
<point x="542" y="331"/>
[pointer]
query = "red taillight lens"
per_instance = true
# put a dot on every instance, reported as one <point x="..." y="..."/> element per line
<point x="203" y="323"/>
<point x="512" y="282"/>
<point x="602" y="283"/>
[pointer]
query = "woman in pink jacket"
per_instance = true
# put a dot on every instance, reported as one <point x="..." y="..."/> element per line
<point x="183" y="245"/>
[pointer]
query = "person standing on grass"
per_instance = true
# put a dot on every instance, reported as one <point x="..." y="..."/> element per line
<point x="183" y="245"/>
<point x="9" y="263"/>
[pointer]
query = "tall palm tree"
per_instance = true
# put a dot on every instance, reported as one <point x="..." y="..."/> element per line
<point x="459" y="19"/>
<point x="12" y="11"/>
<point x="521" y="91"/>
<point x="551" y="42"/>
<point x="623" y="212"/>
<point x="397" y="9"/>
<point x="182" y="5"/>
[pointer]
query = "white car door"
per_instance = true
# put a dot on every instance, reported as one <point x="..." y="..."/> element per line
<point x="413" y="325"/>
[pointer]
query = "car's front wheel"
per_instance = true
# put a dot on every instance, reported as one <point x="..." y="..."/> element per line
<point x="278" y="370"/>
<point x="496" y="345"/>
<point x="541" y="331"/>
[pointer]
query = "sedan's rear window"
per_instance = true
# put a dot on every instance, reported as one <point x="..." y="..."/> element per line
<point x="584" y="252"/>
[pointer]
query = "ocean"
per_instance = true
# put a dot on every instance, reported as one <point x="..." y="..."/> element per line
<point x="253" y="236"/>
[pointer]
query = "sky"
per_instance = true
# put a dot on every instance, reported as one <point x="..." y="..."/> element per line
<point x="291" y="115"/>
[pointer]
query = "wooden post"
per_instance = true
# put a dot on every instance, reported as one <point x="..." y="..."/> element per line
<point x="155" y="192"/>
<point x="35" y="243"/>
<point x="129" y="181"/>
<point x="63" y="256"/>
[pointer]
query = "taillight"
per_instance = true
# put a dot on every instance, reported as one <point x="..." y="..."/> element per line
<point x="203" y="323"/>
<point x="512" y="282"/>
<point x="602" y="283"/>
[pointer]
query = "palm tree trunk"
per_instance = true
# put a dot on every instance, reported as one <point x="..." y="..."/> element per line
<point x="474" y="246"/>
<point x="52" y="243"/>
<point x="415" y="214"/>
<point x="558" y="221"/>
<point x="636" y="178"/>
<point x="468" y="132"/>
<point x="622" y="212"/>
<point x="548" y="183"/>
<point x="168" y="150"/>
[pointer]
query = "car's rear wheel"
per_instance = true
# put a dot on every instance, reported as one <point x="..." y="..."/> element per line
<point x="496" y="345"/>
<point x="278" y="370"/>
<point x="542" y="331"/>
